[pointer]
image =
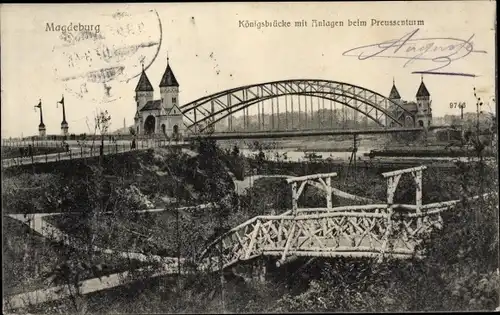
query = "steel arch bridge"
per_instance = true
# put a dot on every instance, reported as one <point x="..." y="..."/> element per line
<point x="204" y="113"/>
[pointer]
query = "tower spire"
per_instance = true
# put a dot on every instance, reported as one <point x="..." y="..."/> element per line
<point x="422" y="89"/>
<point x="394" y="94"/>
<point x="143" y="85"/>
<point x="168" y="78"/>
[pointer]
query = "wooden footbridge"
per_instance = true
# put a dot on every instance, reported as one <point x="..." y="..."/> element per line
<point x="372" y="230"/>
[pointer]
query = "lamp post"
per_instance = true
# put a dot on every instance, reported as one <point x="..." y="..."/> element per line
<point x="461" y="106"/>
<point x="478" y="104"/>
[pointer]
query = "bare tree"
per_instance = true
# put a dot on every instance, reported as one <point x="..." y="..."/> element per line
<point x="102" y="124"/>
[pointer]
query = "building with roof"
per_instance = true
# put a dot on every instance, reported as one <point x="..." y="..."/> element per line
<point x="161" y="116"/>
<point x="421" y="110"/>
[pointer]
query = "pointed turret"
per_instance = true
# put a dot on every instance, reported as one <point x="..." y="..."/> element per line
<point x="394" y="95"/>
<point x="422" y="90"/>
<point x="144" y="90"/>
<point x="169" y="89"/>
<point x="144" y="85"/>
<point x="168" y="78"/>
<point x="424" y="112"/>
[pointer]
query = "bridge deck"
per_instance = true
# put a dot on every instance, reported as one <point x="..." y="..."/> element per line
<point x="297" y="133"/>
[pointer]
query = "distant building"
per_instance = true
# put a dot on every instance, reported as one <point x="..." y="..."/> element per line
<point x="162" y="116"/>
<point x="421" y="110"/>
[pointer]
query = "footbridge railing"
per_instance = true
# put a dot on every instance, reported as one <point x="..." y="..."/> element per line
<point x="372" y="230"/>
<point x="341" y="231"/>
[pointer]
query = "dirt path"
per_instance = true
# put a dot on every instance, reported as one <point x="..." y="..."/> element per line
<point x="49" y="231"/>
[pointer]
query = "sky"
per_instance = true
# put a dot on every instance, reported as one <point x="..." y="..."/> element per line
<point x="209" y="50"/>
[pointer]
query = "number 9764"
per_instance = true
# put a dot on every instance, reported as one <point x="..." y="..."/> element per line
<point x="457" y="105"/>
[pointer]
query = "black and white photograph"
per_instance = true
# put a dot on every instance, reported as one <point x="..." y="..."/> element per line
<point x="249" y="157"/>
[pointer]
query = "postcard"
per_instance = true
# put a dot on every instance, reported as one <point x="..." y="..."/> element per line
<point x="249" y="157"/>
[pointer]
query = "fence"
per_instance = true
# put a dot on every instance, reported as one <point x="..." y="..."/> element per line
<point x="33" y="143"/>
<point x="80" y="137"/>
<point x="60" y="142"/>
<point x="87" y="150"/>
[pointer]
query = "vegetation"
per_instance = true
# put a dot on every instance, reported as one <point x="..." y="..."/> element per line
<point x="460" y="271"/>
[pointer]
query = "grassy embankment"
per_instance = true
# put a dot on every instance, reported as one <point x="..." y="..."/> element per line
<point x="117" y="184"/>
<point x="84" y="187"/>
<point x="360" y="285"/>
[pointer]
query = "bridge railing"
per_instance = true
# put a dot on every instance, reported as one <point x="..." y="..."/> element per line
<point x="89" y="142"/>
<point x="350" y="231"/>
<point x="406" y="208"/>
<point x="72" y="154"/>
<point x="362" y="231"/>
<point x="85" y="150"/>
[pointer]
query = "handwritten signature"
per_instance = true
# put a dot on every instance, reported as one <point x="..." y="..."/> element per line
<point x="441" y="51"/>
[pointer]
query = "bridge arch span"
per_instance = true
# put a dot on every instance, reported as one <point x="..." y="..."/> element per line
<point x="222" y="113"/>
<point x="208" y="110"/>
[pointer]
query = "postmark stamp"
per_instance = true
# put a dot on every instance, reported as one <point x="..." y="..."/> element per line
<point x="92" y="60"/>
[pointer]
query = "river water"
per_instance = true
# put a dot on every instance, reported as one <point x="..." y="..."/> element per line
<point x="298" y="156"/>
<point x="271" y="154"/>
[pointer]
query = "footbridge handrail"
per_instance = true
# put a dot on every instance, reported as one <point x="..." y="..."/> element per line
<point x="308" y="177"/>
<point x="324" y="229"/>
<point x="331" y="233"/>
<point x="246" y="223"/>
<point x="398" y="206"/>
<point x="354" y="230"/>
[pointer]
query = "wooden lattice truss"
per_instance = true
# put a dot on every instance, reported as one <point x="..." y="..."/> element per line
<point x="362" y="230"/>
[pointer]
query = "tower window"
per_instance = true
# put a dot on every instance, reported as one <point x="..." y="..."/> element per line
<point x="174" y="100"/>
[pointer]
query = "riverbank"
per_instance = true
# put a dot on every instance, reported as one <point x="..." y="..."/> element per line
<point x="312" y="144"/>
<point x="431" y="151"/>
